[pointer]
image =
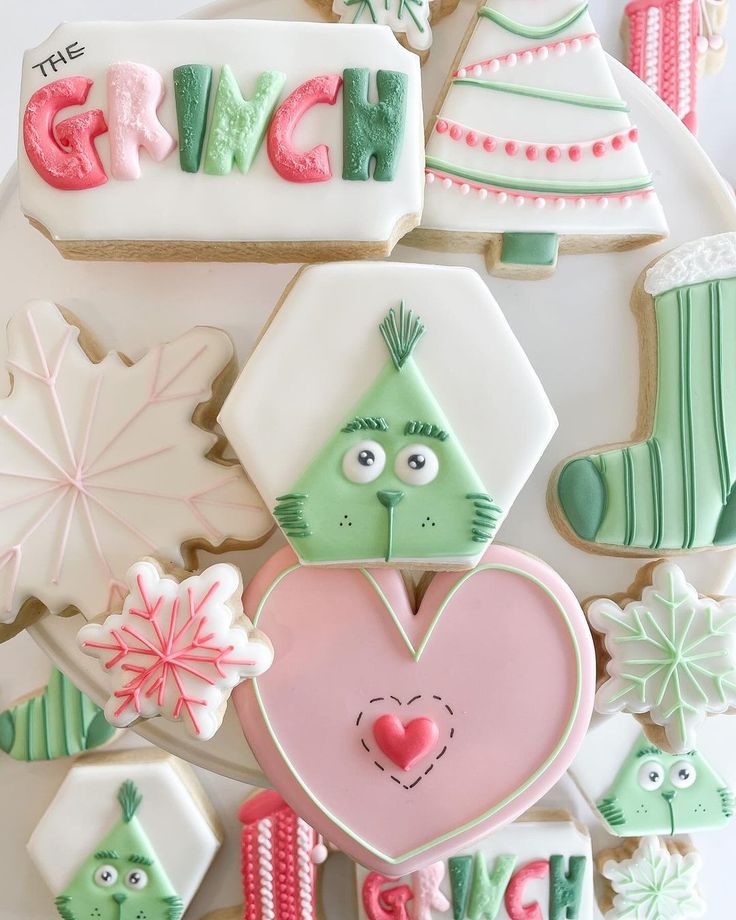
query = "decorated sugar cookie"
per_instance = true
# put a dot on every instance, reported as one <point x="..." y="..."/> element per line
<point x="637" y="788"/>
<point x="410" y="20"/>
<point x="280" y="858"/>
<point x="104" y="461"/>
<point x="109" y="846"/>
<point x="178" y="648"/>
<point x="670" y="488"/>
<point x="380" y="454"/>
<point x="651" y="879"/>
<point x="57" y="721"/>
<point x="538" y="867"/>
<point x="392" y="776"/>
<point x="531" y="149"/>
<point x="671" y="43"/>
<point x="670" y="657"/>
<point x="128" y="152"/>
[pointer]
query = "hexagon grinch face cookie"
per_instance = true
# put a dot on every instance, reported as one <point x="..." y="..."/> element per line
<point x="388" y="415"/>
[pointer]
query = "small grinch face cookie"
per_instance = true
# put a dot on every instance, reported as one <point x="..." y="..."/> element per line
<point x="178" y="648"/>
<point x="105" y="461"/>
<point x="670" y="657"/>
<point x="110" y="844"/>
<point x="651" y="879"/>
<point x="376" y="451"/>
<point x="650" y="791"/>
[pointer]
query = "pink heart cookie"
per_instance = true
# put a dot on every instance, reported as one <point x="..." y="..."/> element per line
<point x="499" y="660"/>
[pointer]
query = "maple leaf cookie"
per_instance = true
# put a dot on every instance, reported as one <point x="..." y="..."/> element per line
<point x="102" y="464"/>
<point x="177" y="649"/>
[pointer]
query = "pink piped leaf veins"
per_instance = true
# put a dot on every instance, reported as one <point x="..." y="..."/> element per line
<point x="101" y="464"/>
<point x="177" y="649"/>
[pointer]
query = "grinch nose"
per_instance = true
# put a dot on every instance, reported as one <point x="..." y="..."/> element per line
<point x="389" y="499"/>
<point x="668" y="796"/>
<point x="119" y="898"/>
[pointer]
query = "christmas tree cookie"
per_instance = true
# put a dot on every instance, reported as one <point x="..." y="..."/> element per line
<point x="651" y="879"/>
<point x="58" y="721"/>
<point x="671" y="488"/>
<point x="126" y="836"/>
<point x="669" y="656"/>
<point x="364" y="412"/>
<point x="531" y="150"/>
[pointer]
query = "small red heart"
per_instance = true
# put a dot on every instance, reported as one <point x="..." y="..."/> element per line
<point x="404" y="745"/>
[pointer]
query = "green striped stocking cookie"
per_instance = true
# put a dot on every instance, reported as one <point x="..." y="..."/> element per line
<point x="60" y="721"/>
<point x="673" y="491"/>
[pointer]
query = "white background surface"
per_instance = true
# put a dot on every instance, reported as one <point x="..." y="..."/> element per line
<point x="26" y="790"/>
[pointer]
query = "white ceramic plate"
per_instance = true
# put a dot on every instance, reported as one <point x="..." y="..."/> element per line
<point x="576" y="328"/>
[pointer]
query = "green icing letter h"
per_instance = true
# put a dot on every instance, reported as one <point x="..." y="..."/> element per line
<point x="373" y="130"/>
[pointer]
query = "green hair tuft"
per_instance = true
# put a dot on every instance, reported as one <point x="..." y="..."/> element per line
<point x="401" y="335"/>
<point x="63" y="908"/>
<point x="175" y="907"/>
<point x="129" y="798"/>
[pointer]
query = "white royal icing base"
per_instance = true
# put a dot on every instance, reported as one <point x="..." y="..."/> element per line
<point x="706" y="259"/>
<point x="86" y="808"/>
<point x="327" y="327"/>
<point x="101" y="464"/>
<point x="168" y="204"/>
<point x="409" y="17"/>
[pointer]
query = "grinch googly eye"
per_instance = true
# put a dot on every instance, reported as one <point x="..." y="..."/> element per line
<point x="416" y="465"/>
<point x="683" y="774"/>
<point x="105" y="876"/>
<point x="364" y="461"/>
<point x="136" y="879"/>
<point x="651" y="775"/>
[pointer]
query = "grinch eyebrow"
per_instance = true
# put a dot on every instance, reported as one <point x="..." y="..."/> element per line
<point x="140" y="860"/>
<point x="366" y="423"/>
<point x="426" y="430"/>
<point x="107" y="854"/>
<point x="648" y="750"/>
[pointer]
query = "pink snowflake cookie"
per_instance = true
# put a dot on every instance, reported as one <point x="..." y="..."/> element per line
<point x="178" y="649"/>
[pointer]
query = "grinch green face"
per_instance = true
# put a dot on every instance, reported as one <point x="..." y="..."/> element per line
<point x="659" y="793"/>
<point x="122" y="879"/>
<point x="393" y="483"/>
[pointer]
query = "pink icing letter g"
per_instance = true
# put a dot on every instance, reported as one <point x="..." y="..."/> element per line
<point x="134" y="93"/>
<point x="67" y="159"/>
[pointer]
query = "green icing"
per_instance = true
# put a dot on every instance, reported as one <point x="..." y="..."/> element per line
<point x="373" y="130"/>
<point x="192" y="84"/>
<point x="648" y="795"/>
<point x="535" y="32"/>
<point x="239" y="125"/>
<point x="385" y="511"/>
<point x="369" y="7"/>
<point x="122" y="879"/>
<point x="566" y="888"/>
<point x="60" y="722"/>
<point x="543" y="186"/>
<point x="459" y="872"/>
<point x="550" y="95"/>
<point x="529" y="249"/>
<point x="674" y="490"/>
<point x="488" y="889"/>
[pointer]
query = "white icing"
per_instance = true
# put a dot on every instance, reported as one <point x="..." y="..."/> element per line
<point x="265" y="868"/>
<point x="651" y="64"/>
<point x="705" y="259"/>
<point x="528" y="841"/>
<point x="101" y="464"/>
<point x="168" y="204"/>
<point x="540" y="122"/>
<point x="200" y="618"/>
<point x="86" y="808"/>
<point x="408" y="17"/>
<point x="655" y="884"/>
<point x="476" y="369"/>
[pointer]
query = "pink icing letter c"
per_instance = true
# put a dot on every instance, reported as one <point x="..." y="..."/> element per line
<point x="67" y="160"/>
<point x="134" y="93"/>
<point x="295" y="165"/>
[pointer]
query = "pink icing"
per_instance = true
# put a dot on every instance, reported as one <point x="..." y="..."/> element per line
<point x="134" y="93"/>
<point x="341" y="660"/>
<point x="292" y="164"/>
<point x="515" y="906"/>
<point x="405" y="745"/>
<point x="427" y="894"/>
<point x="512" y="58"/>
<point x="69" y="159"/>
<point x="385" y="904"/>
